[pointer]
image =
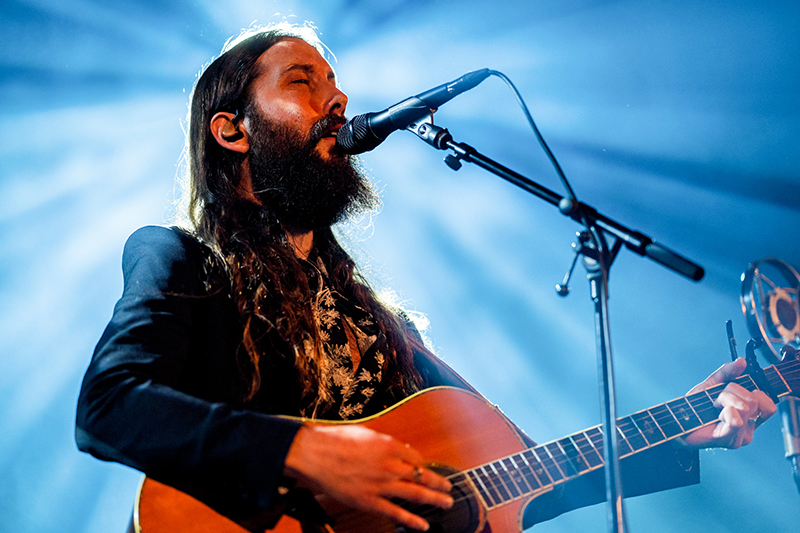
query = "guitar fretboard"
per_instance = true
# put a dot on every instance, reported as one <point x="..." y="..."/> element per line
<point x="543" y="466"/>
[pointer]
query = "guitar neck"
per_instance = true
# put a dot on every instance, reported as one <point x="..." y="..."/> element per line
<point x="539" y="468"/>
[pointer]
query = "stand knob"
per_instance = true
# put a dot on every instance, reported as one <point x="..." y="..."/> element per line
<point x="562" y="289"/>
<point x="452" y="162"/>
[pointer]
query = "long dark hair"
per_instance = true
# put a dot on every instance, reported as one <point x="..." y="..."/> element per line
<point x="261" y="271"/>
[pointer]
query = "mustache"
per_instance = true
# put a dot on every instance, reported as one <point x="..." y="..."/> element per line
<point x="323" y="126"/>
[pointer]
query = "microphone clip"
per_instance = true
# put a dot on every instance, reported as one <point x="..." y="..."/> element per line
<point x="441" y="139"/>
<point x="431" y="134"/>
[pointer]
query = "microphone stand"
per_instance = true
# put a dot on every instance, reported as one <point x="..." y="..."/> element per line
<point x="597" y="259"/>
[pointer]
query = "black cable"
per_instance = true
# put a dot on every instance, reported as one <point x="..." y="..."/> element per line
<point x="565" y="182"/>
<point x="535" y="129"/>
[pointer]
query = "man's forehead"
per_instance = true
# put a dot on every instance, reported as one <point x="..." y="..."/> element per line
<point x="292" y="54"/>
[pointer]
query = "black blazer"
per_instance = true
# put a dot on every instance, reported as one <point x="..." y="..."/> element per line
<point x="162" y="393"/>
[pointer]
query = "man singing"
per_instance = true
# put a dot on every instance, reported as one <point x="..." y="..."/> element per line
<point x="254" y="310"/>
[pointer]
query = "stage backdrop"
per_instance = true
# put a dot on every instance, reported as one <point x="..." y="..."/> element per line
<point x="680" y="119"/>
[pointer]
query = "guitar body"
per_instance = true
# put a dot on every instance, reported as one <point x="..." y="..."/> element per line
<point x="453" y="429"/>
<point x="493" y="474"/>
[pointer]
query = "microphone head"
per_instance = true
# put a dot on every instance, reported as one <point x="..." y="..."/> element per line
<point x="365" y="132"/>
<point x="355" y="138"/>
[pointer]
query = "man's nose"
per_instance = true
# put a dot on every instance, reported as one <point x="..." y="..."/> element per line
<point x="336" y="102"/>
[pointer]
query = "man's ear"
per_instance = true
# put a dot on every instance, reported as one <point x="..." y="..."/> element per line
<point x="228" y="134"/>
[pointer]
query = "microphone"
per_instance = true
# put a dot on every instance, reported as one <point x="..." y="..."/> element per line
<point x="364" y="132"/>
<point x="790" y="422"/>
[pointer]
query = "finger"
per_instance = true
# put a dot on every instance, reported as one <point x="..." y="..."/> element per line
<point x="728" y="432"/>
<point x="421" y="475"/>
<point x="723" y="374"/>
<point x="740" y="391"/>
<point x="402" y="460"/>
<point x="751" y="403"/>
<point x="428" y="478"/>
<point x="725" y="431"/>
<point x="398" y="514"/>
<point x="766" y="406"/>
<point x="729" y="371"/>
<point x="409" y="454"/>
<point x="420" y="494"/>
<point x="731" y="399"/>
<point x="760" y="406"/>
<point x="732" y="417"/>
<point x="742" y="436"/>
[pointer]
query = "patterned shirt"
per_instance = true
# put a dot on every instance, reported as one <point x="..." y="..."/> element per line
<point x="351" y="388"/>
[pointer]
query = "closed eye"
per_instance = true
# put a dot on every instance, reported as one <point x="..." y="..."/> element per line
<point x="302" y="80"/>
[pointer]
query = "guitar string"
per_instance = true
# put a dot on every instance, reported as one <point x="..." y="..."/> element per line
<point x="702" y="407"/>
<point x="790" y="371"/>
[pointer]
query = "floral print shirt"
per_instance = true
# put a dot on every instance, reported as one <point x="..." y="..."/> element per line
<point x="351" y="388"/>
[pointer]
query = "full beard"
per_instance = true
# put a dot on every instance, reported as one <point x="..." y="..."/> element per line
<point x="305" y="191"/>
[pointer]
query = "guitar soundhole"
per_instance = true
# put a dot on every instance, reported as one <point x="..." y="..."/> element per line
<point x="463" y="517"/>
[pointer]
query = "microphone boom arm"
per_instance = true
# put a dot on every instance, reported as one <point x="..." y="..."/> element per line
<point x="441" y="139"/>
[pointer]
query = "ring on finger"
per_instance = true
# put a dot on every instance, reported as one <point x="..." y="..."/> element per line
<point x="417" y="475"/>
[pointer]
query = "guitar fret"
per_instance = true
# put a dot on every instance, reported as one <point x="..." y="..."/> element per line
<point x="587" y="449"/>
<point x="684" y="414"/>
<point x="480" y="487"/>
<point x="745" y="381"/>
<point x="573" y="454"/>
<point x="506" y="485"/>
<point x="491" y="494"/>
<point x="625" y="447"/>
<point x="776" y="381"/>
<point x="493" y="481"/>
<point x="599" y="443"/>
<point x="703" y="406"/>
<point x="462" y="481"/>
<point x="632" y="434"/>
<point x="648" y="426"/>
<point x="516" y="476"/>
<point x="666" y="421"/>
<point x="535" y="468"/>
<point x="560" y="460"/>
<point x="596" y="437"/>
<point x="459" y="478"/>
<point x="521" y="468"/>
<point x="547" y="462"/>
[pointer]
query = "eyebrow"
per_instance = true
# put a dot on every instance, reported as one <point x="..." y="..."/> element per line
<point x="307" y="68"/>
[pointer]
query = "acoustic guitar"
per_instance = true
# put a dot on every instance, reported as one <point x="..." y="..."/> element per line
<point x="493" y="473"/>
